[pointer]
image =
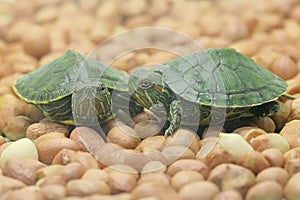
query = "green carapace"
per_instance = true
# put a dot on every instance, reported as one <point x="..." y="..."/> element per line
<point x="76" y="90"/>
<point x="208" y="87"/>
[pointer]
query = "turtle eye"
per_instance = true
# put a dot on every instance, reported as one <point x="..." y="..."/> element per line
<point x="102" y="88"/>
<point x="146" y="84"/>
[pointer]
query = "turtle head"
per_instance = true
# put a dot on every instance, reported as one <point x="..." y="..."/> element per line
<point x="145" y="86"/>
<point x="91" y="104"/>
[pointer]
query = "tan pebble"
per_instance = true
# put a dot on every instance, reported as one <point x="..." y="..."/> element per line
<point x="124" y="135"/>
<point x="275" y="174"/>
<point x="148" y="128"/>
<point x="160" y="177"/>
<point x="46" y="14"/>
<point x="161" y="56"/>
<point x="268" y="21"/>
<point x="271" y="140"/>
<point x="47" y="58"/>
<point x="50" y="170"/>
<point x="14" y="168"/>
<point x="292" y="166"/>
<point x="99" y="34"/>
<point x="284" y="67"/>
<point x="281" y="117"/>
<point x="2" y="141"/>
<point x="152" y="188"/>
<point x="235" y="30"/>
<point x="265" y="58"/>
<point x="198" y="190"/>
<point x="265" y="190"/>
<point x="292" y="29"/>
<point x="294" y="14"/>
<point x="184" y="137"/>
<point x="4" y="90"/>
<point x="36" y="42"/>
<point x="96" y="174"/>
<point x="292" y="188"/>
<point x="58" y="42"/>
<point x="121" y="181"/>
<point x="10" y="106"/>
<point x="21" y="62"/>
<point x="293" y="86"/>
<point x="72" y="198"/>
<point x="86" y="160"/>
<point x="107" y="126"/>
<point x="245" y="46"/>
<point x="215" y="157"/>
<point x="47" y="149"/>
<point x="7" y="183"/>
<point x="294" y="110"/>
<point x="234" y="144"/>
<point x="87" y="139"/>
<point x="53" y="192"/>
<point x="3" y="146"/>
<point x="158" y="8"/>
<point x="254" y="161"/>
<point x="291" y="131"/>
<point x="292" y="154"/>
<point x="176" y="152"/>
<point x="134" y="7"/>
<point x="138" y="21"/>
<point x="82" y="187"/>
<point x="274" y="157"/>
<point x="30" y="192"/>
<point x="133" y="158"/>
<point x="37" y="129"/>
<point x="63" y="157"/>
<point x="109" y="10"/>
<point x="123" y="168"/>
<point x="207" y="22"/>
<point x="51" y="180"/>
<point x="184" y="177"/>
<point x="206" y="145"/>
<point x="121" y="196"/>
<point x="154" y="155"/>
<point x="16" y="127"/>
<point x="22" y="148"/>
<point x="266" y="124"/>
<point x="141" y="117"/>
<point x="153" y="166"/>
<point x="29" y="6"/>
<point x="188" y="164"/>
<point x="154" y="142"/>
<point x="15" y="32"/>
<point x="72" y="171"/>
<point x="49" y="136"/>
<point x="228" y="195"/>
<point x="102" y="154"/>
<point x="33" y="113"/>
<point x="232" y="176"/>
<point x="90" y="6"/>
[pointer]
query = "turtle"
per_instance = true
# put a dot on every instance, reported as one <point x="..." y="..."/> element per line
<point x="76" y="90"/>
<point x="212" y="86"/>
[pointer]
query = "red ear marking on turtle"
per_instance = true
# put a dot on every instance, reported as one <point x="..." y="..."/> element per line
<point x="158" y="88"/>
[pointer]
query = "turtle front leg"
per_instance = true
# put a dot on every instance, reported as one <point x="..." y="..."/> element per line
<point x="174" y="117"/>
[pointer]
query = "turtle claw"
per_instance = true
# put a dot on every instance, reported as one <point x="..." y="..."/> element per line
<point x="168" y="132"/>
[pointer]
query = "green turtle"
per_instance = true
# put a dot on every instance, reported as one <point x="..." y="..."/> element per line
<point x="210" y="86"/>
<point x="76" y="90"/>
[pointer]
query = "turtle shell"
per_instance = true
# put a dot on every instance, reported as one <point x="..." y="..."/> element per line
<point x="222" y="78"/>
<point x="59" y="78"/>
